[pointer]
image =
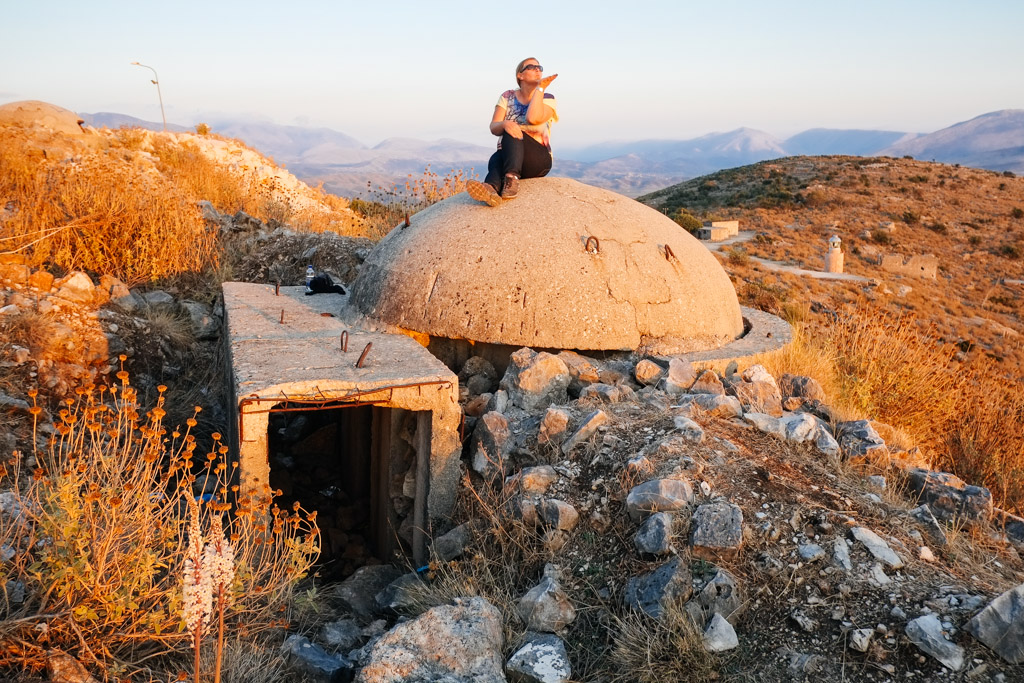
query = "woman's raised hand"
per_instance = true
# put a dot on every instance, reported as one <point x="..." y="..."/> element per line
<point x="513" y="129"/>
<point x="546" y="81"/>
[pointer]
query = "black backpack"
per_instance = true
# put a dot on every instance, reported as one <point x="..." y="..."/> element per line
<point x="322" y="283"/>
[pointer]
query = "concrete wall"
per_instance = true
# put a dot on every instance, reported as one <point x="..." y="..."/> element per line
<point x="919" y="265"/>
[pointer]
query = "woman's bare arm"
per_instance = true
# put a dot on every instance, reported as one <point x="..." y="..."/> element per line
<point x="499" y="125"/>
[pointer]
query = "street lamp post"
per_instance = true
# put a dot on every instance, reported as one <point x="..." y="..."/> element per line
<point x="156" y="82"/>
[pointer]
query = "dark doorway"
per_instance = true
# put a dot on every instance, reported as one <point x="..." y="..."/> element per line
<point x="335" y="460"/>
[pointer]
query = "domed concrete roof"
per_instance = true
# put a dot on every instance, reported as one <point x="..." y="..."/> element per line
<point x="521" y="274"/>
<point x="36" y="113"/>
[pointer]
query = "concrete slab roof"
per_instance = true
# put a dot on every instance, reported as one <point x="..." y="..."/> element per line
<point x="302" y="358"/>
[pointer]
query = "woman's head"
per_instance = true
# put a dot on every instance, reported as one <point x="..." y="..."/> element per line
<point x="529" y="63"/>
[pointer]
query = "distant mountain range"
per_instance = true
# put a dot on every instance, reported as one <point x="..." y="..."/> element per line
<point x="347" y="167"/>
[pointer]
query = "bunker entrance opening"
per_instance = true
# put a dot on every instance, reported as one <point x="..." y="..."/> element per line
<point x="340" y="460"/>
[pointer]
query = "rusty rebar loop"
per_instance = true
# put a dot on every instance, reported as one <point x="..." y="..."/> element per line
<point x="669" y="254"/>
<point x="597" y="245"/>
<point x="282" y="316"/>
<point x="277" y="289"/>
<point x="344" y="341"/>
<point x="407" y="221"/>
<point x="363" y="355"/>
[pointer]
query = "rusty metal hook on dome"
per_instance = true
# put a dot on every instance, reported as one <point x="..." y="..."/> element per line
<point x="344" y="341"/>
<point x="669" y="254"/>
<point x="597" y="245"/>
<point x="363" y="355"/>
<point x="407" y="221"/>
<point x="277" y="289"/>
<point x="282" y="316"/>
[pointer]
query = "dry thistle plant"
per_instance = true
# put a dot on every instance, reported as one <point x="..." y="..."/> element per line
<point x="386" y="208"/>
<point x="102" y="539"/>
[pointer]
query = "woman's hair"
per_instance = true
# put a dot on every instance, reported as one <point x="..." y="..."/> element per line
<point x="519" y="67"/>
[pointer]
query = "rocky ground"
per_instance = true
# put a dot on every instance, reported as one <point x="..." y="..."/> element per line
<point x="635" y="499"/>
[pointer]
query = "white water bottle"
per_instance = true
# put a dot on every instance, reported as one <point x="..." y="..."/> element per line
<point x="310" y="274"/>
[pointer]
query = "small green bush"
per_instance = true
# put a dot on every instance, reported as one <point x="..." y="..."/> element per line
<point x="687" y="221"/>
<point x="910" y="217"/>
<point x="1017" y="212"/>
<point x="1012" y="251"/>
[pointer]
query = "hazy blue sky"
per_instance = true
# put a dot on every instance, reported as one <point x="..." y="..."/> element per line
<point x="630" y="69"/>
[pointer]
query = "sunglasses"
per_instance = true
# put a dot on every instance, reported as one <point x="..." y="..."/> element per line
<point x="538" y="67"/>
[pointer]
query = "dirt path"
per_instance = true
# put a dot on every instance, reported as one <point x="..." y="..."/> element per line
<point x="784" y="267"/>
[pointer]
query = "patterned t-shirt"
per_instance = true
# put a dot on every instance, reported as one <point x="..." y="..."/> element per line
<point x="516" y="111"/>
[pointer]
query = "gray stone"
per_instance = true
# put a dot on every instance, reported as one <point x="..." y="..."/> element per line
<point x="541" y="659"/>
<point x="479" y="384"/>
<point x="658" y="495"/>
<point x="932" y="527"/>
<point x="876" y="546"/>
<point x="680" y="376"/>
<point x="860" y="639"/>
<point x="949" y="497"/>
<point x="647" y="372"/>
<point x="492" y="444"/>
<point x="582" y="370"/>
<point x="532" y="480"/>
<point x="720" y="595"/>
<point x="585" y="431"/>
<point x="553" y="425"/>
<point x="811" y="552"/>
<point x="158" y="297"/>
<point x="204" y="324"/>
<point x="468" y="635"/>
<point x="799" y="427"/>
<point x="343" y="634"/>
<point x="651" y="592"/>
<point x="558" y="514"/>
<point x="718" y="405"/>
<point x="708" y="383"/>
<point x="926" y="632"/>
<point x="801" y="386"/>
<point x="498" y="402"/>
<point x="719" y="636"/>
<point x="15" y="592"/>
<point x="826" y="443"/>
<point x="717" y="529"/>
<point x="357" y="591"/>
<point x="806" y="623"/>
<point x="535" y="380"/>
<point x="605" y="393"/>
<point x="765" y="423"/>
<point x="313" y="659"/>
<point x="688" y="429"/>
<point x="655" y="535"/>
<point x="876" y="481"/>
<point x="404" y="594"/>
<point x="546" y="607"/>
<point x="859" y="438"/>
<point x="453" y="544"/>
<point x="759" y="394"/>
<point x="77" y="288"/>
<point x="477" y="365"/>
<point x="1001" y="625"/>
<point x="841" y="554"/>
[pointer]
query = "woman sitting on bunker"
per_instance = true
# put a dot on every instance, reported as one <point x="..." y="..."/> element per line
<point x="522" y="118"/>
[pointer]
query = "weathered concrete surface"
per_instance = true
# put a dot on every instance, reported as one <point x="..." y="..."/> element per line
<point x="520" y="274"/>
<point x="43" y="114"/>
<point x="301" y="359"/>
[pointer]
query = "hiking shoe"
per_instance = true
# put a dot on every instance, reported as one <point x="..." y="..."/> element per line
<point x="511" y="189"/>
<point x="483" y="192"/>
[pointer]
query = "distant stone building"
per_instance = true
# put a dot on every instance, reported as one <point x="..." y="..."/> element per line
<point x="716" y="231"/>
<point x="834" y="258"/>
<point x="919" y="265"/>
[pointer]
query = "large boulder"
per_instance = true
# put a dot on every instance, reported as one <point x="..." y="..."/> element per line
<point x="491" y="445"/>
<point x="459" y="643"/>
<point x="651" y="592"/>
<point x="949" y="497"/>
<point x="658" y="495"/>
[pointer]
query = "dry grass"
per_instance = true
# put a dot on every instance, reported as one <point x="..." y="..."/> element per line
<point x="651" y="650"/>
<point x="99" y="213"/>
<point x="386" y="208"/>
<point x="99" y="541"/>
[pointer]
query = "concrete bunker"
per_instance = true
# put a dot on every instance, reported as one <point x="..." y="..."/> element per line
<point x="566" y="266"/>
<point x="380" y="437"/>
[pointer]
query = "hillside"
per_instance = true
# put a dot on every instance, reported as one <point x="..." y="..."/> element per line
<point x="971" y="220"/>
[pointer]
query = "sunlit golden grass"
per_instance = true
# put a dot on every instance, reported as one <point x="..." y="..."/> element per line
<point x="99" y="533"/>
<point x="887" y="367"/>
<point x="98" y="213"/>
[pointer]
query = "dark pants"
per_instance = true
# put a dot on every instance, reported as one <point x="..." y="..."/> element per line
<point x="525" y="158"/>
